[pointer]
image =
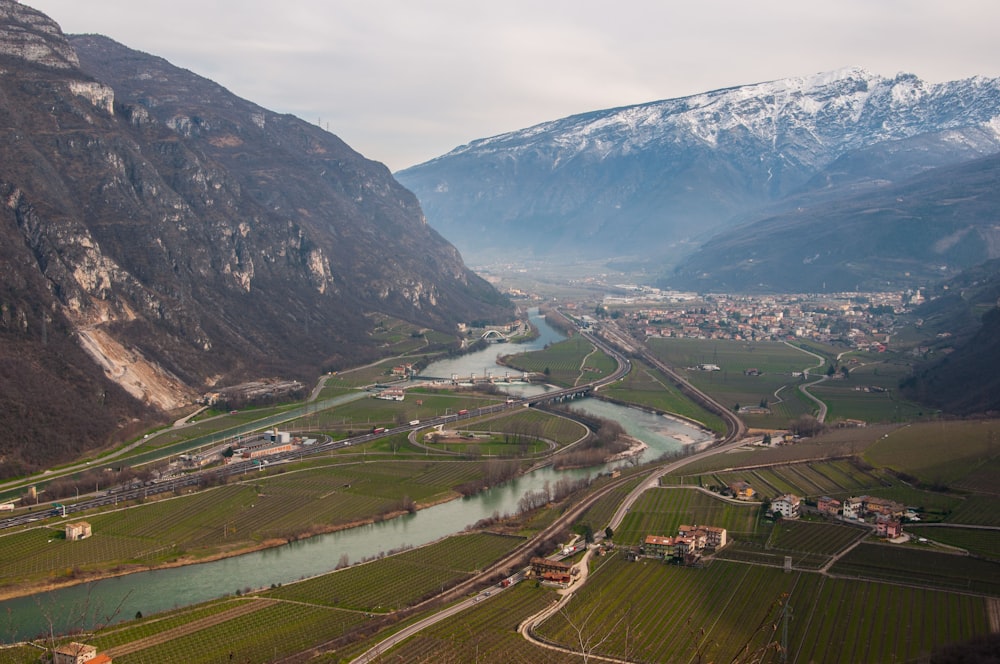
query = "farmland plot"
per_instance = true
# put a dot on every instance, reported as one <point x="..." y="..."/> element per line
<point x="660" y="511"/>
<point x="400" y="580"/>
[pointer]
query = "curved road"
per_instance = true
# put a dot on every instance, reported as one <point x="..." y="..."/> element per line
<point x="520" y="555"/>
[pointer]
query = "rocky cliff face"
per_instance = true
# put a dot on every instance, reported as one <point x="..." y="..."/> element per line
<point x="181" y="238"/>
<point x="656" y="179"/>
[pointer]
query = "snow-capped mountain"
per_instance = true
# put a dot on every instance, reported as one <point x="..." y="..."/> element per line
<point x="654" y="179"/>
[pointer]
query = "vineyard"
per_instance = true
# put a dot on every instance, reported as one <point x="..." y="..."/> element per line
<point x="834" y="620"/>
<point x="982" y="543"/>
<point x="921" y="567"/>
<point x="810" y="545"/>
<point x="486" y="633"/>
<point x="403" y="579"/>
<point x="661" y="511"/>
<point x="273" y="630"/>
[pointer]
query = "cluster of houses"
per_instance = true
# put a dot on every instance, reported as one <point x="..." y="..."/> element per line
<point x="687" y="546"/>
<point x="887" y="514"/>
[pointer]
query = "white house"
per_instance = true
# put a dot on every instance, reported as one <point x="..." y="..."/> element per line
<point x="787" y="506"/>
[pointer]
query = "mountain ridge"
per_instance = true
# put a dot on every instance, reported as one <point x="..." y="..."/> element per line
<point x="169" y="238"/>
<point x="655" y="179"/>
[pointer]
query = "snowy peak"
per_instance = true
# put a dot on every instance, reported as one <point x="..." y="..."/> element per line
<point x="844" y="108"/>
<point x="660" y="176"/>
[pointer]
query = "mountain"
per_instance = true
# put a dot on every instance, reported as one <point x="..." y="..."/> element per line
<point x="961" y="372"/>
<point x="655" y="180"/>
<point x="161" y="237"/>
<point x="911" y="234"/>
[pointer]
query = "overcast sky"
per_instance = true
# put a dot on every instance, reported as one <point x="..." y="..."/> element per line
<point x="403" y="81"/>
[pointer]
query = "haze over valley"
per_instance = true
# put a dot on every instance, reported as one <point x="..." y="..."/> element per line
<point x="733" y="351"/>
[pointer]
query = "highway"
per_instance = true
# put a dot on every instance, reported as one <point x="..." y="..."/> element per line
<point x="141" y="490"/>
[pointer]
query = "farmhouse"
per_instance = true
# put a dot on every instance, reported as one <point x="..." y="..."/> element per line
<point x="786" y="505"/>
<point x="742" y="490"/>
<point x="405" y="370"/>
<point x="78" y="531"/>
<point x="78" y="653"/>
<point x="714" y="537"/>
<point x="553" y="571"/>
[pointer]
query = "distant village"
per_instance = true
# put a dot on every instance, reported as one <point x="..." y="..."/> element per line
<point x="861" y="320"/>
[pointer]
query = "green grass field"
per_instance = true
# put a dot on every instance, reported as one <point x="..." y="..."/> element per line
<point x="566" y="363"/>
<point x="644" y="386"/>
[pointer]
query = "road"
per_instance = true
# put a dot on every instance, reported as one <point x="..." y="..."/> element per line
<point x="516" y="558"/>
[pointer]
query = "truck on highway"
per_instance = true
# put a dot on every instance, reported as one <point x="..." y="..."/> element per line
<point x="378" y="429"/>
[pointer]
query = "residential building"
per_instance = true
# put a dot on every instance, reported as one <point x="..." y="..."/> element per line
<point x="742" y="490"/>
<point x="828" y="505"/>
<point x="786" y="505"/>
<point x="657" y="546"/>
<point x="854" y="507"/>
<point x="883" y="506"/>
<point x="888" y="527"/>
<point x="78" y="653"/>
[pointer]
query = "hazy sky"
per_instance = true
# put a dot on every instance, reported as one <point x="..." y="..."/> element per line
<point x="403" y="81"/>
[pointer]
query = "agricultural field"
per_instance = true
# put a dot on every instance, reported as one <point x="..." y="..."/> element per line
<point x="832" y="444"/>
<point x="870" y="391"/>
<point x="834" y="620"/>
<point x="239" y="630"/>
<point x="660" y="511"/>
<point x="941" y="453"/>
<point x="239" y="515"/>
<point x="978" y="542"/>
<point x="486" y="633"/>
<point x="732" y="386"/>
<point x="599" y="515"/>
<point x="977" y="510"/>
<point x="400" y="580"/>
<point x="917" y="566"/>
<point x="814" y="479"/>
<point x="566" y="363"/>
<point x="810" y="544"/>
<point x="644" y="386"/>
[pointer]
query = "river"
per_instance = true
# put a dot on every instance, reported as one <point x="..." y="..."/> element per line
<point x="159" y="590"/>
